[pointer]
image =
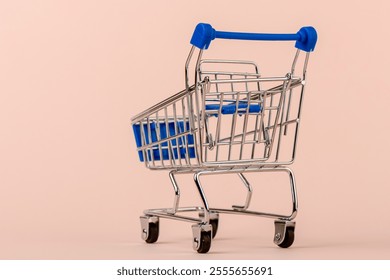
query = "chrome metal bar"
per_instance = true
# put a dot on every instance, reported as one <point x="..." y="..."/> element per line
<point x="143" y="142"/>
<point x="295" y="61"/>
<point x="162" y="213"/>
<point x="186" y="68"/>
<point x="177" y="128"/>
<point x="199" y="152"/>
<point x="150" y="139"/>
<point x="293" y="190"/>
<point x="282" y="105"/>
<point x="177" y="192"/>
<point x="248" y="195"/>
<point x="230" y="73"/>
<point x="291" y="89"/>
<point x="185" y="136"/>
<point x="218" y="129"/>
<point x="252" y="213"/>
<point x="206" y="217"/>
<point x="271" y="79"/>
<point x="244" y="128"/>
<point x="233" y="128"/>
<point x="257" y="136"/>
<point x="158" y="136"/>
<point x="278" y="113"/>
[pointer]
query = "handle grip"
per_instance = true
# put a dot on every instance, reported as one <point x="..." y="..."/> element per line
<point x="306" y="37"/>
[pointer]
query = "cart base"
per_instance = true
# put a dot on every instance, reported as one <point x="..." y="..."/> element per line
<point x="205" y="227"/>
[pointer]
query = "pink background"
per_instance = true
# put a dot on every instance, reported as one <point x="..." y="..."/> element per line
<point x="73" y="73"/>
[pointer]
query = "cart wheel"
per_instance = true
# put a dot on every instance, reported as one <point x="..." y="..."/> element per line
<point x="201" y="241"/>
<point x="153" y="233"/>
<point x="150" y="228"/>
<point x="214" y="221"/>
<point x="288" y="238"/>
<point x="214" y="225"/>
<point x="205" y="242"/>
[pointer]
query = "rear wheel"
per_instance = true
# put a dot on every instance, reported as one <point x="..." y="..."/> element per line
<point x="214" y="224"/>
<point x="288" y="238"/>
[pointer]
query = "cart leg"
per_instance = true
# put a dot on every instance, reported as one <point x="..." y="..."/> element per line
<point x="285" y="229"/>
<point x="203" y="232"/>
<point x="294" y="196"/>
<point x="248" y="196"/>
<point x="177" y="192"/>
<point x="206" y="209"/>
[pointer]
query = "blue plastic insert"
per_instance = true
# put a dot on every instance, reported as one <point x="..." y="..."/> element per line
<point x="241" y="108"/>
<point x="164" y="133"/>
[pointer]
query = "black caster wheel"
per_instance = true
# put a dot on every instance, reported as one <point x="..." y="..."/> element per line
<point x="202" y="235"/>
<point x="288" y="238"/>
<point x="150" y="228"/>
<point x="214" y="225"/>
<point x="284" y="233"/>
<point x="214" y="221"/>
<point x="153" y="233"/>
<point x="205" y="242"/>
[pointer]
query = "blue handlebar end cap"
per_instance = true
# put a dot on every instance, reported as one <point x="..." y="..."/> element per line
<point x="203" y="35"/>
<point x="307" y="39"/>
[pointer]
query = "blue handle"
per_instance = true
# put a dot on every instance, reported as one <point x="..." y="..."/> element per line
<point x="306" y="37"/>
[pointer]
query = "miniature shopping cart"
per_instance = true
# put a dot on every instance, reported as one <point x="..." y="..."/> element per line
<point x="231" y="120"/>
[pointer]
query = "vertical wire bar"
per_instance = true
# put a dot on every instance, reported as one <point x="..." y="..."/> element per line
<point x="270" y="111"/>
<point x="177" y="130"/>
<point x="190" y="118"/>
<point x="219" y="121"/>
<point x="205" y="137"/>
<point x="150" y="140"/>
<point x="262" y="104"/>
<point x="295" y="61"/>
<point x="278" y="112"/>
<point x="158" y="135"/>
<point x="264" y="130"/>
<point x="143" y="143"/>
<point x="233" y="129"/>
<point x="244" y="129"/>
<point x="185" y="137"/>
<point x="288" y="109"/>
<point x="197" y="146"/>
<point x="191" y="123"/>
<point x="171" y="155"/>
<point x="291" y="90"/>
<point x="186" y="67"/>
<point x="246" y="116"/>
<point x="300" y="106"/>
<point x="216" y="85"/>
<point x="256" y="133"/>
<point x="206" y="134"/>
<point x="305" y="66"/>
<point x="281" y="108"/>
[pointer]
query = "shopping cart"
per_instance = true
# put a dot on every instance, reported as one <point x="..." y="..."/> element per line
<point x="231" y="120"/>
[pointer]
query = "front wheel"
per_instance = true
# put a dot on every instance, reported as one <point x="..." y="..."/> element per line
<point x="205" y="242"/>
